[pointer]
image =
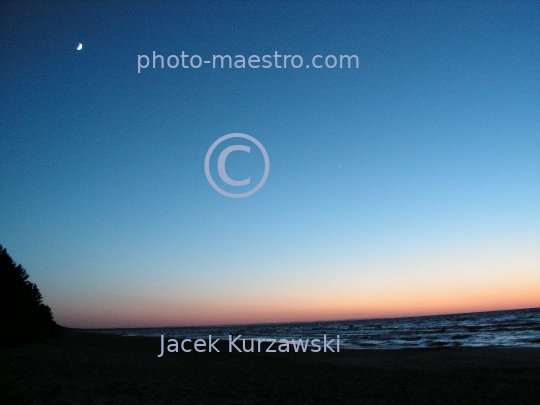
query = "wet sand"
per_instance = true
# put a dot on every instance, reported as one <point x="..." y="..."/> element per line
<point x="89" y="368"/>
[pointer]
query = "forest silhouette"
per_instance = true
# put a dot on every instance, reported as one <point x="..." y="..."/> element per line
<point x="24" y="318"/>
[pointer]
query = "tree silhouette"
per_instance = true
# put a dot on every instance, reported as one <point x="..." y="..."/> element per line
<point x="23" y="315"/>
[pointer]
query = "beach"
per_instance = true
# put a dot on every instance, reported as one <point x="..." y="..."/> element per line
<point x="90" y="368"/>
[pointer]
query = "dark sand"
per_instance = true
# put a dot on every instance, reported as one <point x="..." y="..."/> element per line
<point x="87" y="368"/>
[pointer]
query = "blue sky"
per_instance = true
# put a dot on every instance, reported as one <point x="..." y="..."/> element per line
<point x="408" y="185"/>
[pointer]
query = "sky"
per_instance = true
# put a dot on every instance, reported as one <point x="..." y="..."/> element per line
<point x="409" y="185"/>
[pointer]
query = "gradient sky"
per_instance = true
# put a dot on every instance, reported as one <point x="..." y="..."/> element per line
<point x="410" y="185"/>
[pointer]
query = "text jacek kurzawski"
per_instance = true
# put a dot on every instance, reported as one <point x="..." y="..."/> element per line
<point x="251" y="345"/>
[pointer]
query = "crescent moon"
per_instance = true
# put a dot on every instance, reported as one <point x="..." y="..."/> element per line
<point x="79" y="47"/>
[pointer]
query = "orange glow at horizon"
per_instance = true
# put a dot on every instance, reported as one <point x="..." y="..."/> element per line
<point x="475" y="279"/>
<point x="168" y="314"/>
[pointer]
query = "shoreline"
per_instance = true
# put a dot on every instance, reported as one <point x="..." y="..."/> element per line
<point x="90" y="367"/>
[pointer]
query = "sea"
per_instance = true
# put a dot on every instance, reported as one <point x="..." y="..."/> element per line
<point x="513" y="328"/>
